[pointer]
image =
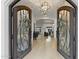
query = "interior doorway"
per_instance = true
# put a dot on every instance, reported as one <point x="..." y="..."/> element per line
<point x="20" y="48"/>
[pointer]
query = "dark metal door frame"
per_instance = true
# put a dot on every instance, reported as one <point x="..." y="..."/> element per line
<point x="10" y="26"/>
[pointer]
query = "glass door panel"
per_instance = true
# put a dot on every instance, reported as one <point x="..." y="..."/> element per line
<point x="64" y="31"/>
<point x="22" y="30"/>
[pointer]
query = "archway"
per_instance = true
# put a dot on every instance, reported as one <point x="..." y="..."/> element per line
<point x="10" y="13"/>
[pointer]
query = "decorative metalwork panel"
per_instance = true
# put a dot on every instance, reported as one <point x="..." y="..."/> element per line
<point x="23" y="24"/>
<point x="64" y="31"/>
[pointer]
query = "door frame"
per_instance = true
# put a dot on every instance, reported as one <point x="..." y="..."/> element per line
<point x="10" y="26"/>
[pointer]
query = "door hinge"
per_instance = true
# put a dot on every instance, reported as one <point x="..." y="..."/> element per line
<point x="12" y="13"/>
<point x="12" y="36"/>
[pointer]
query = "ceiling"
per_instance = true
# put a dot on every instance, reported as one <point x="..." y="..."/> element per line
<point x="46" y="22"/>
<point x="35" y="6"/>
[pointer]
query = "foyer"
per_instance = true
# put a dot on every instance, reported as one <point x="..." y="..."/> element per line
<point x="39" y="29"/>
<point x="44" y="48"/>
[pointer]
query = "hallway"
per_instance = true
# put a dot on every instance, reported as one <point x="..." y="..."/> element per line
<point x="44" y="48"/>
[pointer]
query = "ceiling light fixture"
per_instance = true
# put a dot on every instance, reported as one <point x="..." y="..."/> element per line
<point x="44" y="7"/>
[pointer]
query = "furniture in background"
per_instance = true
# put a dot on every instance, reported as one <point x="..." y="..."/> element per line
<point x="35" y="35"/>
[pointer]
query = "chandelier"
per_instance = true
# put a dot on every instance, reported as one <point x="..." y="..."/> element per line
<point x="44" y="7"/>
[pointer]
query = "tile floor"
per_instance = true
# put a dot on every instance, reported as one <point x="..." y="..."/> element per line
<point x="44" y="48"/>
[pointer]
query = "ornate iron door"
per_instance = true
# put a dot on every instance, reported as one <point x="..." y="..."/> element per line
<point x="65" y="32"/>
<point x="21" y="31"/>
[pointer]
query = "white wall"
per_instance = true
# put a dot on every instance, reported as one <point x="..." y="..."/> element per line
<point x="5" y="29"/>
<point x="75" y="1"/>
